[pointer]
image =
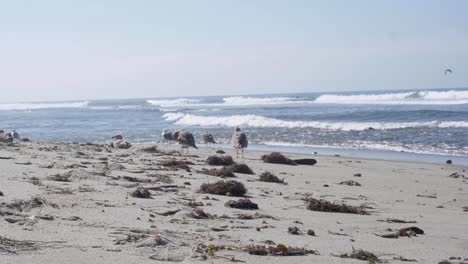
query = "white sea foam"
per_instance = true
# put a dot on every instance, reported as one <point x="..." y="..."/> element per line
<point x="233" y="101"/>
<point x="241" y="100"/>
<point x="261" y="121"/>
<point x="34" y="106"/>
<point x="417" y="98"/>
<point x="184" y="102"/>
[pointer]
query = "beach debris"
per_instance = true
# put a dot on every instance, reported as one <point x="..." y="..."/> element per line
<point x="220" y="151"/>
<point x="277" y="158"/>
<point x="279" y="250"/>
<point x="219" y="160"/>
<point x="457" y="175"/>
<point x="357" y="175"/>
<point x="222" y="173"/>
<point x="152" y="149"/>
<point x="200" y="214"/>
<point x="404" y="232"/>
<point x="244" y="204"/>
<point x="310" y="162"/>
<point x="350" y="183"/>
<point x="208" y="138"/>
<point x="5" y="158"/>
<point x="433" y="196"/>
<point x="361" y="255"/>
<point x="169" y="256"/>
<point x="169" y="212"/>
<point x="25" y="205"/>
<point x="403" y="259"/>
<point x="230" y="188"/>
<point x="410" y="231"/>
<point x="398" y="221"/>
<point x="337" y="233"/>
<point x="240" y="168"/>
<point x="177" y="164"/>
<point x="455" y="260"/>
<point x="311" y="232"/>
<point x="465" y="208"/>
<point x="23" y="163"/>
<point x="25" y="139"/>
<point x="239" y="141"/>
<point x="254" y="216"/>
<point x="269" y="177"/>
<point x="135" y="179"/>
<point x="449" y="162"/>
<point x="13" y="246"/>
<point x="326" y="206"/>
<point x="64" y="177"/>
<point x="294" y="230"/>
<point x="141" y="193"/>
<point x="1" y="193"/>
<point x="71" y="218"/>
<point x="116" y="166"/>
<point x="153" y="241"/>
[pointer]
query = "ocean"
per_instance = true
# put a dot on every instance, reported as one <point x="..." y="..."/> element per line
<point x="418" y="125"/>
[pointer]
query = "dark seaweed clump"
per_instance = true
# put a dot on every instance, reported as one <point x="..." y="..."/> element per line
<point x="270" y="177"/>
<point x="219" y="160"/>
<point x="326" y="206"/>
<point x="240" y="168"/>
<point x="232" y="188"/>
<point x="277" y="158"/>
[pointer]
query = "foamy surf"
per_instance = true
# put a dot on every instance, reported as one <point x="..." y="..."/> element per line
<point x="262" y="121"/>
<point x="35" y="106"/>
<point x="407" y="98"/>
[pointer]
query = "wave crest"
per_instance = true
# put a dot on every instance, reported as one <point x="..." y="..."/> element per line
<point x="261" y="121"/>
<point x="35" y="106"/>
<point x="417" y="98"/>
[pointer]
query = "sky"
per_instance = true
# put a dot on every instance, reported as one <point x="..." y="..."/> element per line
<point x="98" y="49"/>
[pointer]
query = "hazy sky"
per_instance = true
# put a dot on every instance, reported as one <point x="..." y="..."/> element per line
<point x="65" y="50"/>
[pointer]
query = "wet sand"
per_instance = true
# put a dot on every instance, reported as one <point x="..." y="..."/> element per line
<point x="73" y="203"/>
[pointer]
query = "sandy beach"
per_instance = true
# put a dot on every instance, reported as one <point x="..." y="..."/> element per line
<point x="75" y="203"/>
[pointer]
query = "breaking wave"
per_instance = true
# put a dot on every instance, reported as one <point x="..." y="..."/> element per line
<point x="240" y="100"/>
<point x="262" y="121"/>
<point x="417" y="98"/>
<point x="34" y="106"/>
<point x="173" y="102"/>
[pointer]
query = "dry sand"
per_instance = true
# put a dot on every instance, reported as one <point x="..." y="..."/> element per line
<point x="90" y="217"/>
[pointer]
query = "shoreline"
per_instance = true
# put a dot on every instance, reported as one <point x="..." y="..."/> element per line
<point x="74" y="201"/>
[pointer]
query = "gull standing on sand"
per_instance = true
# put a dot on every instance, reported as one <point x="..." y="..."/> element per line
<point x="208" y="138"/>
<point x="239" y="141"/>
<point x="167" y="135"/>
<point x="186" y="140"/>
<point x="175" y="135"/>
<point x="6" y="138"/>
<point x="15" y="134"/>
<point x="120" y="142"/>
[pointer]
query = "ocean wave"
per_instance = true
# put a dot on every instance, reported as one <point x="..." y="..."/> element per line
<point x="232" y="101"/>
<point x="417" y="98"/>
<point x="35" y="106"/>
<point x="241" y="100"/>
<point x="173" y="102"/>
<point x="262" y="121"/>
